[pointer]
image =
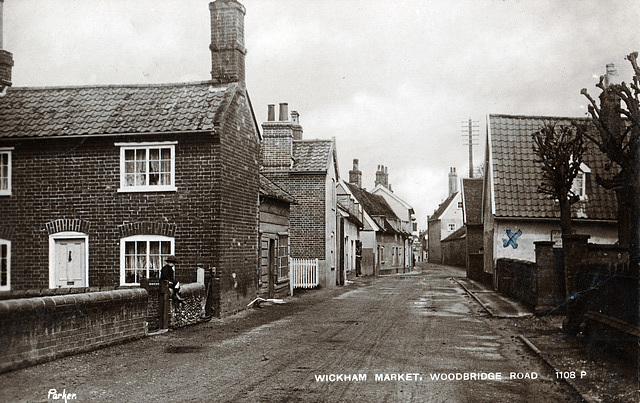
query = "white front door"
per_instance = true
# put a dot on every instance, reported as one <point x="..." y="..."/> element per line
<point x="69" y="263"/>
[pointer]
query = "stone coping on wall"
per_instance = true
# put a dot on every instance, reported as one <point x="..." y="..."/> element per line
<point x="50" y="292"/>
<point x="23" y="304"/>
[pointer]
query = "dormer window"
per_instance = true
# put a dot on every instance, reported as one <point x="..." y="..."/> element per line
<point x="579" y="185"/>
<point x="147" y="167"/>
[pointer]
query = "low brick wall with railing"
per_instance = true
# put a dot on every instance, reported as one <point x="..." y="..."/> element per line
<point x="43" y="328"/>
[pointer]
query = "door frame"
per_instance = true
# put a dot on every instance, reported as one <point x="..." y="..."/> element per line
<point x="52" y="254"/>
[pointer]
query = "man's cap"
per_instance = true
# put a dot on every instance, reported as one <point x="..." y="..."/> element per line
<point x="172" y="259"/>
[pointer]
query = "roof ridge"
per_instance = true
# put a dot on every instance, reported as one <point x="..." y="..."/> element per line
<point x="312" y="140"/>
<point x="501" y="115"/>
<point x="148" y="85"/>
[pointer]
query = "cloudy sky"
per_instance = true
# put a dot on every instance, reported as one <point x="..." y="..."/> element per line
<point x="393" y="81"/>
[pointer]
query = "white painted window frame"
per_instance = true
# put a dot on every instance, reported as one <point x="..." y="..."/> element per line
<point x="52" y="254"/>
<point x="137" y="238"/>
<point x="8" y="152"/>
<point x="7" y="287"/>
<point x="146" y="146"/>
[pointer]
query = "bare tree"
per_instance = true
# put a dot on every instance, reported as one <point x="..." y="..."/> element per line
<point x="618" y="137"/>
<point x="559" y="150"/>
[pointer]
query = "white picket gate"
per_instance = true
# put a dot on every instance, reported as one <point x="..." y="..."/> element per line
<point x="303" y="273"/>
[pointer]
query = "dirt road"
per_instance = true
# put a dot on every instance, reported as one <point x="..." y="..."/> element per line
<point x="411" y="338"/>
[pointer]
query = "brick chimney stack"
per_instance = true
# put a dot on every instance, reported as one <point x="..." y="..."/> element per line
<point x="276" y="149"/>
<point x="610" y="102"/>
<point x="355" y="175"/>
<point x="382" y="176"/>
<point x="227" y="41"/>
<point x="6" y="58"/>
<point x="295" y="125"/>
<point x="453" y="181"/>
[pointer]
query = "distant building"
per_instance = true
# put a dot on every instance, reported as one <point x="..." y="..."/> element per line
<point x="446" y="220"/>
<point x="383" y="238"/>
<point x="401" y="208"/>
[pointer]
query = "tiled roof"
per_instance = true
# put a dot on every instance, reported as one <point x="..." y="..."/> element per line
<point x="311" y="155"/>
<point x="350" y="214"/>
<point x="270" y="189"/>
<point x="516" y="175"/>
<point x="374" y="205"/>
<point x="472" y="193"/>
<point x="113" y="109"/>
<point x="457" y="234"/>
<point x="442" y="207"/>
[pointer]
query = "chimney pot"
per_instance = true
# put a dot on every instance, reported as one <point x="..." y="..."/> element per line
<point x="284" y="112"/>
<point x="295" y="117"/>
<point x="611" y="72"/>
<point x="271" y="114"/>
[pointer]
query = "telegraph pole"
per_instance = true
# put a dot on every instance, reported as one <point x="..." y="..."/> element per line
<point x="470" y="130"/>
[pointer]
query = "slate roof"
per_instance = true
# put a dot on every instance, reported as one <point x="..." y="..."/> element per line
<point x="472" y="194"/>
<point x="311" y="155"/>
<point x="374" y="205"/>
<point x="442" y="207"/>
<point x="270" y="189"/>
<point x="516" y="175"/>
<point x="113" y="109"/>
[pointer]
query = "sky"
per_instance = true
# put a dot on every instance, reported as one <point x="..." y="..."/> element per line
<point x="395" y="82"/>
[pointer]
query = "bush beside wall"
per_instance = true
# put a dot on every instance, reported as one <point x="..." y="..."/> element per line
<point x="191" y="311"/>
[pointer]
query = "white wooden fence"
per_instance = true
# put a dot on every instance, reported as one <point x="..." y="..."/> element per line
<point x="303" y="273"/>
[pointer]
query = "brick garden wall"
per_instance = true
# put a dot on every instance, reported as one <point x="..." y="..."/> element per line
<point x="517" y="279"/>
<point x="39" y="329"/>
<point x="453" y="252"/>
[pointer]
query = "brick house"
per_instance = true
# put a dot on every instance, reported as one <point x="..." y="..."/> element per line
<point x="275" y="206"/>
<point x="382" y="237"/>
<point x="445" y="220"/>
<point x="515" y="215"/>
<point x="308" y="171"/>
<point x="101" y="183"/>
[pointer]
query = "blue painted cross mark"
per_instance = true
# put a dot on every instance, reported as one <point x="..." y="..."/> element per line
<point x="513" y="237"/>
